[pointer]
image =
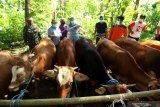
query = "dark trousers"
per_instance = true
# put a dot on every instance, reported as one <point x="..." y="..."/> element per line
<point x="133" y="38"/>
<point x="97" y="39"/>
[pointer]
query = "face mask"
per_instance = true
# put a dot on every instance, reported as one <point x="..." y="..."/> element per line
<point x="29" y="22"/>
<point x="73" y="22"/>
<point x="118" y="22"/>
<point x="54" y="25"/>
<point x="101" y="21"/>
<point x="62" y="23"/>
<point x="140" y="20"/>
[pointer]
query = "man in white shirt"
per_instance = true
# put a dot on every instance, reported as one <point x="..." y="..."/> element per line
<point x="54" y="32"/>
<point x="136" y="27"/>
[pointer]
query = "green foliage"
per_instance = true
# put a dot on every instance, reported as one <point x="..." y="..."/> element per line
<point x="86" y="12"/>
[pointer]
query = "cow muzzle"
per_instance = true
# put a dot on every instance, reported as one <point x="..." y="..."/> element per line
<point x="14" y="86"/>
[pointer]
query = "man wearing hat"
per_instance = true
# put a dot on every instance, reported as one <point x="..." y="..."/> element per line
<point x="54" y="32"/>
<point x="100" y="29"/>
<point x="118" y="30"/>
<point x="74" y="29"/>
<point x="136" y="27"/>
<point x="31" y="33"/>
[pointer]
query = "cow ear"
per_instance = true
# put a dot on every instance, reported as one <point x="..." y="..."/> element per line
<point x="80" y="77"/>
<point x="50" y="73"/>
<point x="100" y="90"/>
<point x="75" y="68"/>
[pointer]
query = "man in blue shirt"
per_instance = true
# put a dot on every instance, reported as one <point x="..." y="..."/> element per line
<point x="74" y="30"/>
<point x="54" y="32"/>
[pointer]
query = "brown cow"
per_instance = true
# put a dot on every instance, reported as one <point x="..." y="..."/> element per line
<point x="124" y="66"/>
<point x="152" y="43"/>
<point x="12" y="66"/>
<point x="65" y="54"/>
<point x="44" y="54"/>
<point x="146" y="56"/>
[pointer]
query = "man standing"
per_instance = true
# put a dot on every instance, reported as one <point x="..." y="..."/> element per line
<point x="118" y="30"/>
<point x="136" y="27"/>
<point x="64" y="28"/>
<point x="54" y="32"/>
<point x="31" y="34"/>
<point x="74" y="29"/>
<point x="100" y="29"/>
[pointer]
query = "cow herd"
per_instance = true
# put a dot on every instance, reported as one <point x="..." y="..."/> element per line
<point x="69" y="70"/>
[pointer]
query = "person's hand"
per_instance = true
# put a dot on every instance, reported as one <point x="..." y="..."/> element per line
<point x="77" y="26"/>
<point x="131" y="32"/>
<point x="84" y="32"/>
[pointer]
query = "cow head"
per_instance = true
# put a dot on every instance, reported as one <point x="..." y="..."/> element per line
<point x="18" y="77"/>
<point x="154" y="84"/>
<point x="65" y="76"/>
<point x="114" y="89"/>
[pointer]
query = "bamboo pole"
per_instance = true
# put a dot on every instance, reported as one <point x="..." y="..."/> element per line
<point x="82" y="100"/>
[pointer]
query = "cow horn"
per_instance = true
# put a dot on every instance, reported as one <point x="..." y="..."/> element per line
<point x="56" y="67"/>
<point x="31" y="55"/>
<point x="130" y="85"/>
<point x="75" y="68"/>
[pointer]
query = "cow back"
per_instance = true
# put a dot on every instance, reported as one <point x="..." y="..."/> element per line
<point x="44" y="56"/>
<point x="65" y="55"/>
<point x="90" y="62"/>
<point x="123" y="64"/>
<point x="152" y="43"/>
<point x="146" y="56"/>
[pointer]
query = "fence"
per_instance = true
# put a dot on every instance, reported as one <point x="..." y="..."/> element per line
<point x="81" y="100"/>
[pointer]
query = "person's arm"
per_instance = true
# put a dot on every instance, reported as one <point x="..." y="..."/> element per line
<point x="125" y="32"/>
<point x="71" y="28"/>
<point x="51" y="33"/>
<point x="110" y="33"/>
<point x="24" y="34"/>
<point x="130" y="27"/>
<point x="106" y="33"/>
<point x="144" y="28"/>
<point x="82" y="30"/>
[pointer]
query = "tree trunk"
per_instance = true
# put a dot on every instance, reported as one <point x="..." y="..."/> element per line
<point x="27" y="8"/>
<point x="135" y="15"/>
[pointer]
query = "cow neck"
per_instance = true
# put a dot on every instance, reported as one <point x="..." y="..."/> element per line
<point x="143" y="84"/>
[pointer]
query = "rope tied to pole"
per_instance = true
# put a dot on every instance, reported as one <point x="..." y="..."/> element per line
<point x="16" y="99"/>
<point x="122" y="97"/>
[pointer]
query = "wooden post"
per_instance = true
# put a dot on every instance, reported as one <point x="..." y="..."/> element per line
<point x="81" y="100"/>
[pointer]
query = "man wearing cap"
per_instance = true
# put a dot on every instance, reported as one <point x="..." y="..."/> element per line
<point x="100" y="29"/>
<point x="136" y="27"/>
<point x="54" y="32"/>
<point x="157" y="35"/>
<point x="74" y="29"/>
<point x="31" y="34"/>
<point x="118" y="30"/>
